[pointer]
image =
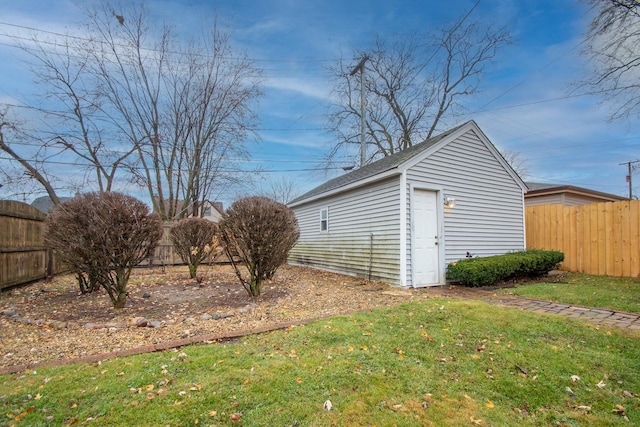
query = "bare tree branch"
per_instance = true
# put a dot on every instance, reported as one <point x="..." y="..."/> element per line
<point x="411" y="85"/>
<point x="31" y="169"/>
<point x="613" y="49"/>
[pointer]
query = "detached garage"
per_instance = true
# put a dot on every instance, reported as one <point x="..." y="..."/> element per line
<point x="403" y="218"/>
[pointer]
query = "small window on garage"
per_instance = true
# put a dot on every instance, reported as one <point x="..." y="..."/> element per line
<point x="324" y="220"/>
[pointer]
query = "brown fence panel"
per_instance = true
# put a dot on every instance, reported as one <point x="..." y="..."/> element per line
<point x="23" y="257"/>
<point x="165" y="253"/>
<point x="600" y="238"/>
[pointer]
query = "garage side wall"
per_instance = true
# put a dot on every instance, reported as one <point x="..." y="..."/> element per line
<point x="488" y="218"/>
<point x="363" y="233"/>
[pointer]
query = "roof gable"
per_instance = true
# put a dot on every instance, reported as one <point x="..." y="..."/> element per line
<point x="399" y="162"/>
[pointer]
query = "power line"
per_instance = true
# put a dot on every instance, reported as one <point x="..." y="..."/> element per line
<point x="89" y="165"/>
<point x="86" y="40"/>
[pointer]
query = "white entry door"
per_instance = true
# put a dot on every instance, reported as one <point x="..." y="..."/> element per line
<point x="426" y="254"/>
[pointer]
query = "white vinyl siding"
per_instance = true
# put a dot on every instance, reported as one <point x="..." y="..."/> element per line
<point x="488" y="218"/>
<point x="370" y="230"/>
<point x="364" y="236"/>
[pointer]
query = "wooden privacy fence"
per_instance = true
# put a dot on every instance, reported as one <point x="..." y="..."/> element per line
<point x="23" y="257"/>
<point x="600" y="238"/>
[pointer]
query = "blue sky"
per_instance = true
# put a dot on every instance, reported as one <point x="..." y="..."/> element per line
<point x="525" y="105"/>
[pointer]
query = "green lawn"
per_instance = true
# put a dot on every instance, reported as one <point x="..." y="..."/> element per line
<point x="621" y="294"/>
<point x="437" y="362"/>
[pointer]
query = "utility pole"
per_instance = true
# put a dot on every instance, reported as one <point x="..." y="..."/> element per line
<point x="363" y="143"/>
<point x="629" y="176"/>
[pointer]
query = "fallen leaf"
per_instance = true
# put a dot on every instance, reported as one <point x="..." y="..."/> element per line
<point x="625" y="393"/>
<point x="327" y="405"/>
<point x="619" y="409"/>
<point x="475" y="422"/>
<point x="601" y="384"/>
<point x="575" y="378"/>
<point x="213" y="413"/>
<point x="236" y="417"/>
<point x="489" y="404"/>
<point x="426" y="336"/>
<point x="584" y="408"/>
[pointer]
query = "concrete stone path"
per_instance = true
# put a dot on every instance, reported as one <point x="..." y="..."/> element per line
<point x="597" y="315"/>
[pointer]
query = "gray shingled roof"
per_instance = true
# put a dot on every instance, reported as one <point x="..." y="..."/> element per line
<point x="532" y="186"/>
<point x="540" y="186"/>
<point x="44" y="203"/>
<point x="383" y="165"/>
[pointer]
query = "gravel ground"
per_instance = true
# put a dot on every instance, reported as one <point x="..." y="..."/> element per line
<point x="49" y="320"/>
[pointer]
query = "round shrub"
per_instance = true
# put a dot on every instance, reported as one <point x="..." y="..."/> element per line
<point x="103" y="235"/>
<point x="258" y="233"/>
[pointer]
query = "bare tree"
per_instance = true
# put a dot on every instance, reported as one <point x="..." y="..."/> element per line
<point x="613" y="48"/>
<point x="186" y="110"/>
<point x="74" y="123"/>
<point x="132" y="98"/>
<point x="411" y="85"/>
<point x="282" y="190"/>
<point x="517" y="162"/>
<point x="212" y="110"/>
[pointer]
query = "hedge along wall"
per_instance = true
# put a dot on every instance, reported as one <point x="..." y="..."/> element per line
<point x="23" y="257"/>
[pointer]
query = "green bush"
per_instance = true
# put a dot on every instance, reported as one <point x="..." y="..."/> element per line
<point x="489" y="270"/>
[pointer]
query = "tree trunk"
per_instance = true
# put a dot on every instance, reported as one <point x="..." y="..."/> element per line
<point x="121" y="299"/>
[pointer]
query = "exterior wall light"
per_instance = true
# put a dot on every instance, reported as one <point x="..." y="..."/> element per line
<point x="450" y="202"/>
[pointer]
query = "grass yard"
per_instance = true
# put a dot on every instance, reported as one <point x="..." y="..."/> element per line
<point x="615" y="293"/>
<point x="435" y="362"/>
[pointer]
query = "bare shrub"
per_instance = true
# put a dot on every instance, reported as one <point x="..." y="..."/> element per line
<point x="103" y="236"/>
<point x="194" y="239"/>
<point x="258" y="233"/>
<point x="63" y="234"/>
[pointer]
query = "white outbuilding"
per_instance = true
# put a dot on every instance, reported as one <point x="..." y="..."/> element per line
<point x="405" y="217"/>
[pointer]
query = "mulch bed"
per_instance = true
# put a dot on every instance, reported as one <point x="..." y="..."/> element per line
<point x="51" y="321"/>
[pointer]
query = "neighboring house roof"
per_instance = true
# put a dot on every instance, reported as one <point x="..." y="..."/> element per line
<point x="44" y="203"/>
<point x="394" y="162"/>
<point x="543" y="189"/>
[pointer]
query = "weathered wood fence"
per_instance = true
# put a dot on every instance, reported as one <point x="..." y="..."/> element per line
<point x="23" y="257"/>
<point x="600" y="238"/>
